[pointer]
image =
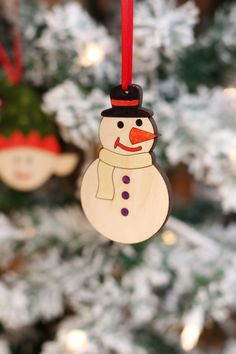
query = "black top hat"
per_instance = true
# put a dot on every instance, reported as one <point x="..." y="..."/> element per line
<point x="127" y="103"/>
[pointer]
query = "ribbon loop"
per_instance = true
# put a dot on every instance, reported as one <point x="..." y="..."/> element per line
<point x="14" y="68"/>
<point x="127" y="14"/>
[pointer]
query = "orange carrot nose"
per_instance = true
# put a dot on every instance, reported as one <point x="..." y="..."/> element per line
<point x="139" y="136"/>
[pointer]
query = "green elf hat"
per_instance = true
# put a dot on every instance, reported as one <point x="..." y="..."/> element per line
<point x="22" y="122"/>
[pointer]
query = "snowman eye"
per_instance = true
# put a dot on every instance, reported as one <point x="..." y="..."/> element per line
<point x="139" y="122"/>
<point x="120" y="125"/>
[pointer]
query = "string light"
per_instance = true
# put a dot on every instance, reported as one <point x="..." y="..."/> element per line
<point x="93" y="55"/>
<point x="29" y="231"/>
<point x="232" y="160"/>
<point x="192" y="329"/>
<point x="231" y="93"/>
<point x="169" y="237"/>
<point x="76" y="342"/>
<point x="190" y="337"/>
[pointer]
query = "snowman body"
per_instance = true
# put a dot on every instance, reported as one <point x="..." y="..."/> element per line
<point x="123" y="194"/>
<point x="138" y="210"/>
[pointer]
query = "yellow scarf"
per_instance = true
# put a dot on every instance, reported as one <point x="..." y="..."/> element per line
<point x="106" y="167"/>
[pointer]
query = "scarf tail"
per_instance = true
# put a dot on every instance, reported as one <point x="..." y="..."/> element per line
<point x="108" y="161"/>
<point x="106" y="189"/>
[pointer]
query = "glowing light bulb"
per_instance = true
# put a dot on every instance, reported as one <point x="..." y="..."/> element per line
<point x="76" y="342"/>
<point x="232" y="160"/>
<point x="93" y="55"/>
<point x="190" y="337"/>
<point x="169" y="237"/>
<point x="193" y="325"/>
<point x="29" y="231"/>
<point x="231" y="92"/>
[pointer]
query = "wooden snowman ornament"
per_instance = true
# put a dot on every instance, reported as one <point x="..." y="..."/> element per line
<point x="124" y="194"/>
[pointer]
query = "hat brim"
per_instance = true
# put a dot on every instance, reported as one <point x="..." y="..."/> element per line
<point x="127" y="112"/>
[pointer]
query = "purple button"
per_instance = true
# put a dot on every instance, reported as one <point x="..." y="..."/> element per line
<point x="124" y="212"/>
<point x="126" y="179"/>
<point x="125" y="195"/>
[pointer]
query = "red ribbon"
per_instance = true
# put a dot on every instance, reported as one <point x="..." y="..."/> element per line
<point x="127" y="15"/>
<point x="14" y="69"/>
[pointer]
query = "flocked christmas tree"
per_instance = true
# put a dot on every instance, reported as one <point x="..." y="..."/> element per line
<point x="64" y="289"/>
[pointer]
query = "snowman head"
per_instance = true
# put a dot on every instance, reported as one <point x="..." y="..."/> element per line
<point x="127" y="128"/>
<point x="27" y="162"/>
<point x="127" y="136"/>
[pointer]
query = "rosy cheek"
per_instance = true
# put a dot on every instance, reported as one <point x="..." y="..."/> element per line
<point x="22" y="176"/>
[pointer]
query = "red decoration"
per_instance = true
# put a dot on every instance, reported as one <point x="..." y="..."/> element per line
<point x="127" y="14"/>
<point x="33" y="140"/>
<point x="123" y="103"/>
<point x="13" y="70"/>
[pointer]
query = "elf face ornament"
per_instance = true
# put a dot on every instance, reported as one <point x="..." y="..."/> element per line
<point x="124" y="195"/>
<point x="27" y="162"/>
<point x="30" y="152"/>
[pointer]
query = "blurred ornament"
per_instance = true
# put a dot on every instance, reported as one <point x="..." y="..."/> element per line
<point x="29" y="149"/>
<point x="30" y="152"/>
<point x="76" y="342"/>
<point x="93" y="55"/>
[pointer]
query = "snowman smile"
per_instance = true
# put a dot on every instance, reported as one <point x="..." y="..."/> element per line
<point x="126" y="148"/>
